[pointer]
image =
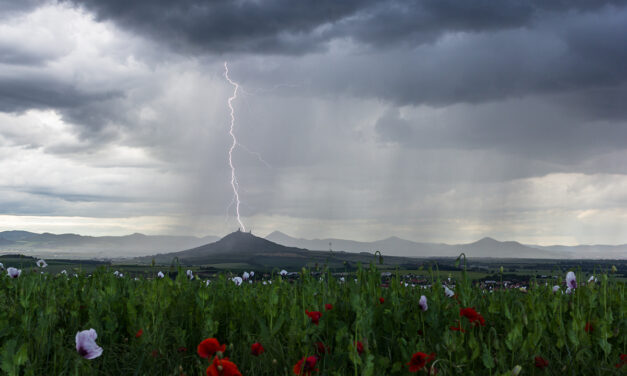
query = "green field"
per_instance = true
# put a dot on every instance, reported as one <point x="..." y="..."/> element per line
<point x="44" y="312"/>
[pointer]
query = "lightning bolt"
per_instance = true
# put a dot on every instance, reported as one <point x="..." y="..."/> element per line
<point x="234" y="183"/>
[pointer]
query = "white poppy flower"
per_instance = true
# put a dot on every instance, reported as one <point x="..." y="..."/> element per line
<point x="571" y="280"/>
<point x="41" y="263"/>
<point x="86" y="344"/>
<point x="245" y="276"/>
<point x="283" y="272"/>
<point x="13" y="272"/>
<point x="448" y="292"/>
<point x="190" y="275"/>
<point x="160" y="274"/>
<point x="423" y="303"/>
<point x="237" y="280"/>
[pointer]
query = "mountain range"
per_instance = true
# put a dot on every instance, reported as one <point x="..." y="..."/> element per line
<point x="79" y="246"/>
<point x="244" y="250"/>
<point x="486" y="247"/>
<point x="135" y="245"/>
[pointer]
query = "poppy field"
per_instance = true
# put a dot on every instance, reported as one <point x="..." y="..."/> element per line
<point x="112" y="324"/>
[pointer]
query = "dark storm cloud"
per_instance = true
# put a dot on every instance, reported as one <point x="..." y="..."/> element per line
<point x="297" y="27"/>
<point x="276" y="26"/>
<point x="545" y="135"/>
<point x="91" y="111"/>
<point x="414" y="22"/>
<point x="12" y="54"/>
<point x="10" y="8"/>
<point x="510" y="48"/>
<point x="18" y="94"/>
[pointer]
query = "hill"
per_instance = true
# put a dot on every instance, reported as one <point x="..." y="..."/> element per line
<point x="246" y="248"/>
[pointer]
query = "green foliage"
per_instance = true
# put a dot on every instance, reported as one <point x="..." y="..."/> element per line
<point x="43" y="313"/>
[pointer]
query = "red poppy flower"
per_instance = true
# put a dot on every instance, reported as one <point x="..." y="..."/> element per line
<point x="360" y="347"/>
<point x="139" y="333"/>
<point x="256" y="349"/>
<point x="306" y="366"/>
<point x="155" y="353"/>
<point x="314" y="316"/>
<point x="321" y="349"/>
<point x="208" y="347"/>
<point x="328" y="307"/>
<point x="381" y="300"/>
<point x="588" y="328"/>
<point x="222" y="367"/>
<point x="540" y="362"/>
<point x="472" y="316"/>
<point x="420" y="332"/>
<point x="623" y="361"/>
<point x="182" y="349"/>
<point x="419" y="360"/>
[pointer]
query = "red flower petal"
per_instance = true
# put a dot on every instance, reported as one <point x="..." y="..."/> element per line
<point x="208" y="347"/>
<point x="223" y="367"/>
<point x="305" y="366"/>
<point x="419" y="360"/>
<point x="256" y="349"/>
<point x="360" y="347"/>
<point x="314" y="316"/>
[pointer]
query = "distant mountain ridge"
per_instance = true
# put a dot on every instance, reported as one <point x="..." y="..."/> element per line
<point x="96" y="246"/>
<point x="485" y="247"/>
<point x="241" y="250"/>
<point x="136" y="245"/>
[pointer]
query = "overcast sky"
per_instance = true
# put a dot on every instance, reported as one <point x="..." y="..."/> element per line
<point x="434" y="120"/>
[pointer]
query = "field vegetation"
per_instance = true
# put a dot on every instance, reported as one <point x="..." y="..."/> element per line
<point x="312" y="323"/>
